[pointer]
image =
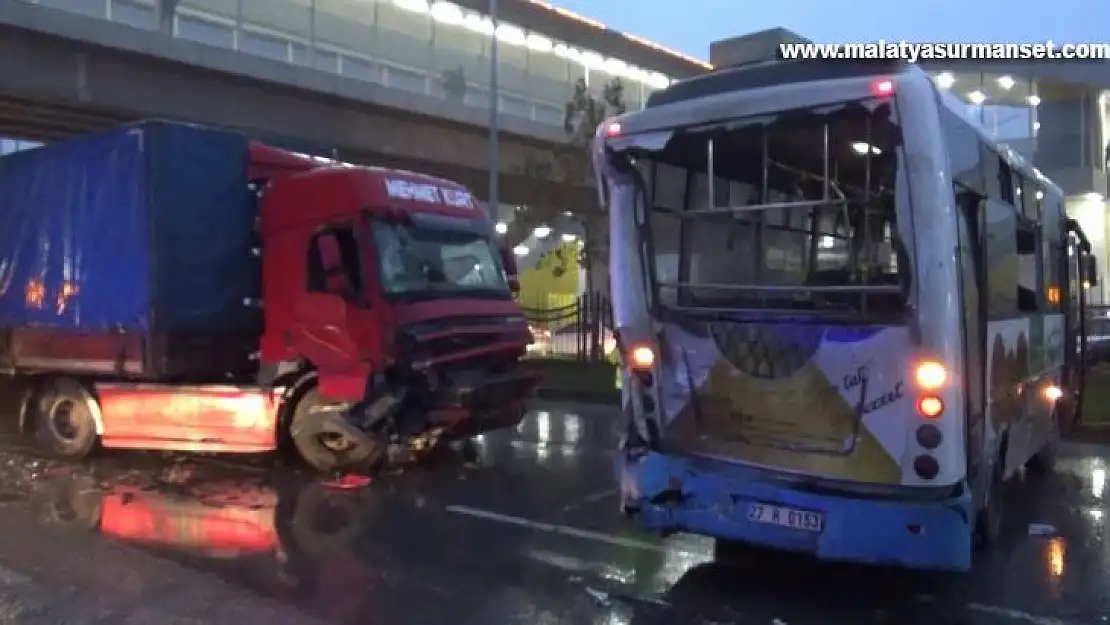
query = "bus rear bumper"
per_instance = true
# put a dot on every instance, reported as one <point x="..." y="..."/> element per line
<point x="667" y="494"/>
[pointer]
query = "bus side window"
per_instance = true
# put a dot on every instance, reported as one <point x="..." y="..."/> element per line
<point x="966" y="152"/>
<point x="970" y="207"/>
<point x="992" y="175"/>
<point x="1032" y="198"/>
<point x="1055" y="274"/>
<point x="1006" y="184"/>
<point x="998" y="232"/>
<point x="970" y="204"/>
<point x="1029" y="276"/>
<point x="1021" y="203"/>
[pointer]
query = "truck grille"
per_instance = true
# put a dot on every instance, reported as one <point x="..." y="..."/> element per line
<point x="452" y="339"/>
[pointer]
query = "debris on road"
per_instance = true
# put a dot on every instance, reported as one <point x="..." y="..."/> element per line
<point x="348" y="481"/>
<point x="599" y="597"/>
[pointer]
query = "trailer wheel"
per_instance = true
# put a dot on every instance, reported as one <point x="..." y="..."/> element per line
<point x="325" y="451"/>
<point x="64" y="425"/>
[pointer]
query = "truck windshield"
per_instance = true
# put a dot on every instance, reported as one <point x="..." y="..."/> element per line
<point x="418" y="262"/>
<point x="795" y="211"/>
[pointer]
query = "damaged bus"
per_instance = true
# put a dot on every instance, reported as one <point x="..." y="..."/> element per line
<point x="846" y="315"/>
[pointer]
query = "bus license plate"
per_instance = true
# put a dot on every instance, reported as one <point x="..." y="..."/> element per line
<point x="786" y="517"/>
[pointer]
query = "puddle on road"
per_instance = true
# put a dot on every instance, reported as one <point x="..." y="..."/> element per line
<point x="299" y="538"/>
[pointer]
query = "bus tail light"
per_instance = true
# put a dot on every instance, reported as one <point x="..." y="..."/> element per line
<point x="641" y="358"/>
<point x="930" y="375"/>
<point x="883" y="87"/>
<point x="1052" y="392"/>
<point x="930" y="406"/>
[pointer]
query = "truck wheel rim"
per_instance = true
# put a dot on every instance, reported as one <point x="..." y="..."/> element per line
<point x="335" y="442"/>
<point x="63" y="424"/>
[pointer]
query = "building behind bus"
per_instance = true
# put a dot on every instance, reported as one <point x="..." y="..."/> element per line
<point x="1054" y="112"/>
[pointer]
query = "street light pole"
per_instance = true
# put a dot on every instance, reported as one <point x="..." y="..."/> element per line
<point x="494" y="122"/>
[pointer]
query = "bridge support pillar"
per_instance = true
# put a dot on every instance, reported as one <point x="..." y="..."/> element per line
<point x="165" y="10"/>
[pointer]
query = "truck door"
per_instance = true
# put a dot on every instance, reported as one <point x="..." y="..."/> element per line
<point x="334" y="326"/>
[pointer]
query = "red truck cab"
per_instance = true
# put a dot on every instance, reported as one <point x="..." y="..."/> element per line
<point x="394" y="286"/>
<point x="381" y="314"/>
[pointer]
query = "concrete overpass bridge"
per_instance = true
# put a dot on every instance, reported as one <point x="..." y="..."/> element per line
<point x="63" y="73"/>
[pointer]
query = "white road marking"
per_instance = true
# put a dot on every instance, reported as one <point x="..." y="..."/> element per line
<point x="554" y="528"/>
<point x="632" y="543"/>
<point x="594" y="498"/>
<point x="1016" y="615"/>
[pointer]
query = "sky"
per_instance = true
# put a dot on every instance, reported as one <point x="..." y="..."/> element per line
<point x="676" y="25"/>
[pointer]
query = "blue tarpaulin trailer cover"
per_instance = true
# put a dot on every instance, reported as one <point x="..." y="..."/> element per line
<point x="148" y="228"/>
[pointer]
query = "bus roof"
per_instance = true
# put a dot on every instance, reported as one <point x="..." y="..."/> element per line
<point x="789" y="72"/>
<point x="768" y="75"/>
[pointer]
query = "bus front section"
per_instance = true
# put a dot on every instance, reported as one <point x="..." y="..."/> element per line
<point x="787" y="355"/>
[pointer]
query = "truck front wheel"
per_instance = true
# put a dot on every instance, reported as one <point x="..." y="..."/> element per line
<point x="322" y="447"/>
<point x="63" y="421"/>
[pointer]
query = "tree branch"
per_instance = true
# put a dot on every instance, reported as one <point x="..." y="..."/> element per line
<point x="569" y="167"/>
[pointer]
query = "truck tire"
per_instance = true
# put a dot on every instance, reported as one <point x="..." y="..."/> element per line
<point x="312" y="443"/>
<point x="64" y="425"/>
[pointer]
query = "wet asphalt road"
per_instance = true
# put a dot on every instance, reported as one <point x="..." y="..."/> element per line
<point x="530" y="534"/>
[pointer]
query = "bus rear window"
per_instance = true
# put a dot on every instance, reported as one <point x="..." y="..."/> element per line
<point x="794" y="212"/>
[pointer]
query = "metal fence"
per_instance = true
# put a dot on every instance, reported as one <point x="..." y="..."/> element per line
<point x="571" y="328"/>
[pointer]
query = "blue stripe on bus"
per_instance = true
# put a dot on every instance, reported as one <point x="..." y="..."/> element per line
<point x="917" y="534"/>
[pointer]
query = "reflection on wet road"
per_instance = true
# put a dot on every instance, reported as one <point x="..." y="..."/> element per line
<point x="525" y="529"/>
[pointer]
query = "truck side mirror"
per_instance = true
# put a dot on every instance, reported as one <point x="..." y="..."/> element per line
<point x="1090" y="270"/>
<point x="508" y="262"/>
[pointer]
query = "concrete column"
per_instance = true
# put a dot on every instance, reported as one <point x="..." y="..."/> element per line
<point x="1094" y="144"/>
<point x="165" y="10"/>
<point x="1059" y="140"/>
<point x="1091" y="213"/>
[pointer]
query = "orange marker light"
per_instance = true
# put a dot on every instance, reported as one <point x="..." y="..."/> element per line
<point x="1053" y="295"/>
<point x="642" y="357"/>
<point x="1052" y="392"/>
<point x="930" y="375"/>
